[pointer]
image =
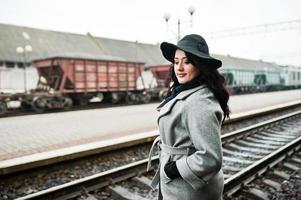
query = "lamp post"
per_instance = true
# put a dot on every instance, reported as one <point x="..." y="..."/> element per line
<point x="23" y="53"/>
<point x="167" y="17"/>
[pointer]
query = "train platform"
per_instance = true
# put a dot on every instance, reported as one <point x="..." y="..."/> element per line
<point x="34" y="137"/>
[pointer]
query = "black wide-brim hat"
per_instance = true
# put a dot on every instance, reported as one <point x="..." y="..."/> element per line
<point x="194" y="44"/>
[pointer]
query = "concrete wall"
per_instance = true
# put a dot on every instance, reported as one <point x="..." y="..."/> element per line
<point x="12" y="79"/>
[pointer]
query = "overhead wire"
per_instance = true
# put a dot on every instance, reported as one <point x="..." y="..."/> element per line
<point x="256" y="29"/>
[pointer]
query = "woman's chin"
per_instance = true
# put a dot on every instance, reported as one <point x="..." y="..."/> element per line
<point x="182" y="81"/>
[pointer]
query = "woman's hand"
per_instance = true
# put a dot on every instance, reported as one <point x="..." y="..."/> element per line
<point x="171" y="170"/>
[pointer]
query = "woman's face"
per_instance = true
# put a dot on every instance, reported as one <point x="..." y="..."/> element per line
<point x="184" y="70"/>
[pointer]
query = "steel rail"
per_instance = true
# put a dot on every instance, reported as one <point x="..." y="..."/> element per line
<point x="262" y="111"/>
<point x="234" y="135"/>
<point x="245" y="176"/>
<point x="90" y="183"/>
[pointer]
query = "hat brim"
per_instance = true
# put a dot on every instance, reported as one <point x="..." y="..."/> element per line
<point x="169" y="49"/>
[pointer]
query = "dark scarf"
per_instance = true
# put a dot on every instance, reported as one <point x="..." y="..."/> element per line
<point x="178" y="89"/>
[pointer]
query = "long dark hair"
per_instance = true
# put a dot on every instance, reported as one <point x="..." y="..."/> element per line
<point x="210" y="77"/>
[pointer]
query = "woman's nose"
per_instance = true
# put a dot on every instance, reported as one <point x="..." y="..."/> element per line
<point x="180" y="66"/>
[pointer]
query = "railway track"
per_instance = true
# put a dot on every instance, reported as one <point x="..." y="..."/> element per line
<point x="100" y="105"/>
<point x="265" y="178"/>
<point x="247" y="152"/>
<point x="95" y="105"/>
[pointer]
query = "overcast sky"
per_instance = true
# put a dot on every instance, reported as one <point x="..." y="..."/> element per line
<point x="142" y="20"/>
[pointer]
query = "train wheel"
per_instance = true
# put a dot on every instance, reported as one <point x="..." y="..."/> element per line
<point x="162" y="94"/>
<point x="68" y="103"/>
<point x="80" y="99"/>
<point x="83" y="101"/>
<point x="3" y="108"/>
<point x="39" y="104"/>
<point x="25" y="105"/>
<point x="146" y="98"/>
<point x="100" y="96"/>
<point x="130" y="98"/>
<point x="115" y="97"/>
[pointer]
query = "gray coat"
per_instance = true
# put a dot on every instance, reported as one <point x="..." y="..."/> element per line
<point x="189" y="128"/>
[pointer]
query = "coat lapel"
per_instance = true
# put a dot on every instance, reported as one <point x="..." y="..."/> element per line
<point x="168" y="106"/>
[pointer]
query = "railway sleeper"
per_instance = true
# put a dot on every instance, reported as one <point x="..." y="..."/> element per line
<point x="269" y="138"/>
<point x="281" y="174"/>
<point x="90" y="197"/>
<point x="291" y="166"/>
<point x="279" y="135"/>
<point x="137" y="187"/>
<point x="249" y="149"/>
<point x="241" y="154"/>
<point x="122" y="193"/>
<point x="144" y="181"/>
<point x="237" y="159"/>
<point x="231" y="169"/>
<point x="256" y="145"/>
<point x="272" y="183"/>
<point x="271" y="143"/>
<point x="258" y="194"/>
<point x="297" y="160"/>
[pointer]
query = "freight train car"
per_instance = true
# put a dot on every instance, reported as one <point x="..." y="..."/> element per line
<point x="290" y="77"/>
<point x="247" y="76"/>
<point x="248" y="81"/>
<point x="65" y="80"/>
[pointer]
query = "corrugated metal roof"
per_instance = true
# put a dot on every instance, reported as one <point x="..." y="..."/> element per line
<point x="140" y="52"/>
<point x="230" y="62"/>
<point x="84" y="56"/>
<point x="47" y="43"/>
<point x="44" y="43"/>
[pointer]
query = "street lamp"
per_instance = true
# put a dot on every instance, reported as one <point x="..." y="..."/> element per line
<point x="167" y="16"/>
<point x="191" y="11"/>
<point x="23" y="53"/>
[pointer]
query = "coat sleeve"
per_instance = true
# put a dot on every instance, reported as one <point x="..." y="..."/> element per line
<point x="202" y="120"/>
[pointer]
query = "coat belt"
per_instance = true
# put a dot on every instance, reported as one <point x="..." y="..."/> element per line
<point x="149" y="164"/>
<point x="176" y="150"/>
<point x="168" y="150"/>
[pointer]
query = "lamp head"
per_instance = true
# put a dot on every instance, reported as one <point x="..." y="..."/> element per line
<point x="19" y="50"/>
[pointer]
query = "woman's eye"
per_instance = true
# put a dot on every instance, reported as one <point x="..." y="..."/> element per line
<point x="176" y="63"/>
<point x="187" y="62"/>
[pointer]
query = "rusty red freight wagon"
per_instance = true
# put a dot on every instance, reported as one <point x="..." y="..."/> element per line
<point x="71" y="75"/>
<point x="68" y="80"/>
<point x="82" y="79"/>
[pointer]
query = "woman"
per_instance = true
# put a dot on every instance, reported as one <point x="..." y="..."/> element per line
<point x="190" y="120"/>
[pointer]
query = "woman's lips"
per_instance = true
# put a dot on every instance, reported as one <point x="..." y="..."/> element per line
<point x="181" y="75"/>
